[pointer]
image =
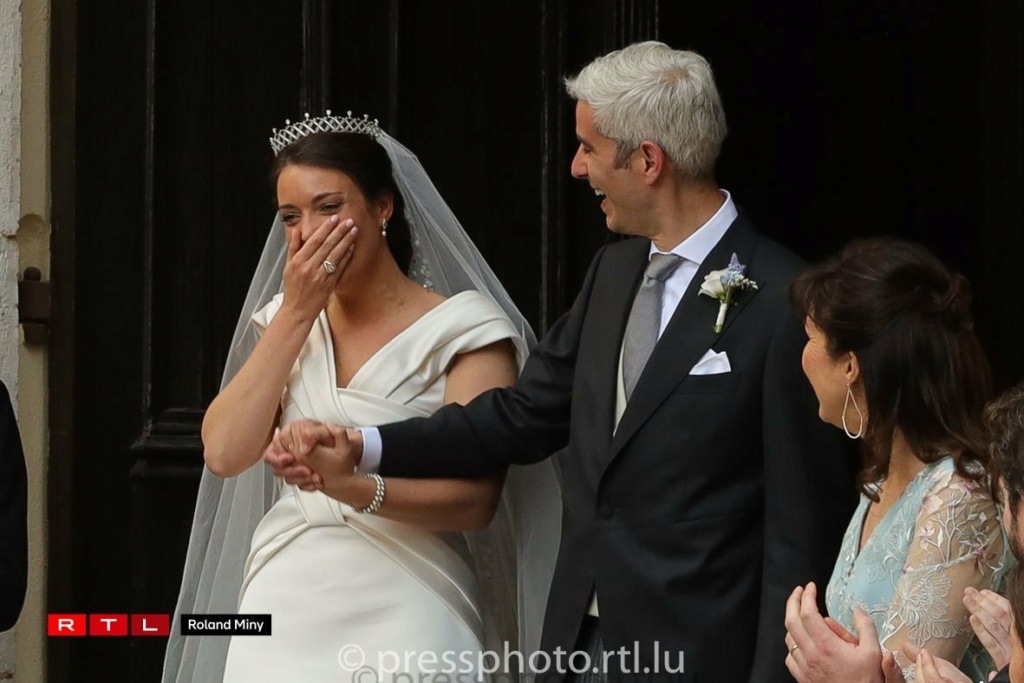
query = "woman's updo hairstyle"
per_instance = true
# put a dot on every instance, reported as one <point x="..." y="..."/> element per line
<point x="907" y="318"/>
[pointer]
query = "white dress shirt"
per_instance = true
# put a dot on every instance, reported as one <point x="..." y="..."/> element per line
<point x="693" y="250"/>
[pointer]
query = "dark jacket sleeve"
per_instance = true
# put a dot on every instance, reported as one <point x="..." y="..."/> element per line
<point x="810" y="494"/>
<point x="1003" y="676"/>
<point x="13" y="511"/>
<point x="518" y="425"/>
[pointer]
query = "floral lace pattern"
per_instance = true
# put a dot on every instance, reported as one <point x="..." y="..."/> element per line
<point x="942" y="535"/>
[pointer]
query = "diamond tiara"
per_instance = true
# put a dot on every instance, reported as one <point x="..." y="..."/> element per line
<point x="322" y="124"/>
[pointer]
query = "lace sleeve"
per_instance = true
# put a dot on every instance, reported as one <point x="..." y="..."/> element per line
<point x="957" y="542"/>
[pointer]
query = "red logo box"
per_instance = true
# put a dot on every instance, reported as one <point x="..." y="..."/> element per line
<point x="108" y="624"/>
<point x="151" y="624"/>
<point x="65" y="624"/>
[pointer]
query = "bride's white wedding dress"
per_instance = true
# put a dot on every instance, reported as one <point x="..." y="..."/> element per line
<point x="344" y="588"/>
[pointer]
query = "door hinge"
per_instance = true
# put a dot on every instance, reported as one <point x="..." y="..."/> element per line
<point x="34" y="306"/>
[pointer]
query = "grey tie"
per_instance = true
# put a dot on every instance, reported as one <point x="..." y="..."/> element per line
<point x="645" y="319"/>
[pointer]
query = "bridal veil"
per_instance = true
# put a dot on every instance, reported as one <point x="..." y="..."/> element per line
<point x="514" y="557"/>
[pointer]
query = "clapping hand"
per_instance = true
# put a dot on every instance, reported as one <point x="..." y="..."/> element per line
<point x="890" y="667"/>
<point x="935" y="669"/>
<point x="822" y="651"/>
<point x="992" y="622"/>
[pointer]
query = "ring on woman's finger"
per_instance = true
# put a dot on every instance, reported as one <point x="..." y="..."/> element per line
<point x="793" y="649"/>
<point x="329" y="266"/>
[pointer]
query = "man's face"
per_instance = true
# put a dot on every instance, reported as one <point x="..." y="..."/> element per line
<point x="1011" y="522"/>
<point x="621" y="189"/>
<point x="1016" y="655"/>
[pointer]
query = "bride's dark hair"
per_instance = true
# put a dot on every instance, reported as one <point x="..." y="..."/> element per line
<point x="363" y="160"/>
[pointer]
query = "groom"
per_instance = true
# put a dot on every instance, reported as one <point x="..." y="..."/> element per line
<point x="700" y="487"/>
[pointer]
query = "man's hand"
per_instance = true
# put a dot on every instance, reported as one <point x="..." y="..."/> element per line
<point x="332" y="458"/>
<point x="314" y="455"/>
<point x="992" y="622"/>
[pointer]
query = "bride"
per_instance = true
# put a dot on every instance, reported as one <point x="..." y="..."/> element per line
<point x="370" y="305"/>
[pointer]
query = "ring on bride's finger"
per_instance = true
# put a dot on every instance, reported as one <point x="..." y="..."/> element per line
<point x="793" y="649"/>
<point x="329" y="266"/>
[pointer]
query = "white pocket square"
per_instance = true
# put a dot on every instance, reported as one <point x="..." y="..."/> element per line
<point x="712" y="363"/>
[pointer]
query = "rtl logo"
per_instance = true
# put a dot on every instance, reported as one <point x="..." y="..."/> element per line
<point x="108" y="624"/>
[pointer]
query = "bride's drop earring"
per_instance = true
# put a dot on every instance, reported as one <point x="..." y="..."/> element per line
<point x="384" y="227"/>
<point x="846" y="404"/>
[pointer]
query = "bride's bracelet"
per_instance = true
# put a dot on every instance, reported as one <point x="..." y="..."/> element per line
<point x="378" y="497"/>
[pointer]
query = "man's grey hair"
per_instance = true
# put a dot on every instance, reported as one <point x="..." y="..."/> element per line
<point x="648" y="91"/>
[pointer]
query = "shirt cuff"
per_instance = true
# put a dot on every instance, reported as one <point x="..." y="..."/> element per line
<point x="372" y="447"/>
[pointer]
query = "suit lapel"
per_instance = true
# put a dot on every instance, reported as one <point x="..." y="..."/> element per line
<point x="688" y="336"/>
<point x="616" y="292"/>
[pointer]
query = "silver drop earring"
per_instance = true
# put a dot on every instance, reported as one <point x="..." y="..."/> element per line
<point x="846" y="403"/>
<point x="384" y="227"/>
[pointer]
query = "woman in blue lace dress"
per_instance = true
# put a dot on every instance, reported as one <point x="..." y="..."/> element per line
<point x="894" y="360"/>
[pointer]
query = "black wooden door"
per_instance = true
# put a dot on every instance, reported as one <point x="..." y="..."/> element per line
<point x="844" y="121"/>
<point x="162" y="114"/>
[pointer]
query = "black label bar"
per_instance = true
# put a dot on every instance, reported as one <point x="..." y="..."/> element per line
<point x="225" y="624"/>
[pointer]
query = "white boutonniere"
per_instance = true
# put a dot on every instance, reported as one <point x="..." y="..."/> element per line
<point x="725" y="285"/>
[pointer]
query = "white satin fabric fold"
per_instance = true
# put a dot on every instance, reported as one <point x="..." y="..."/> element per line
<point x="337" y="582"/>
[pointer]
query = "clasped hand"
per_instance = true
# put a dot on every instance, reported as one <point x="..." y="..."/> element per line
<point x="313" y="455"/>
